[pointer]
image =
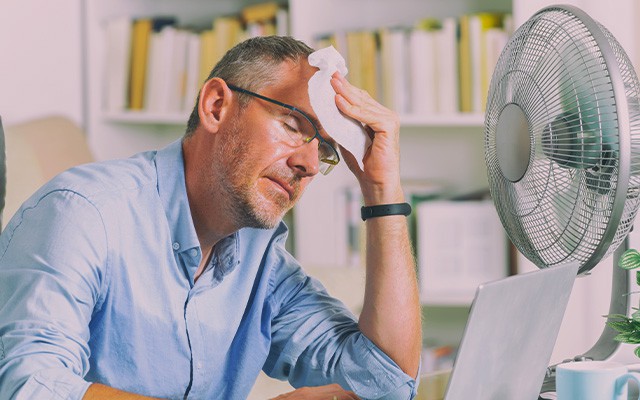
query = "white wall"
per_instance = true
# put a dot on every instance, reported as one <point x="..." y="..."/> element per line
<point x="40" y="72"/>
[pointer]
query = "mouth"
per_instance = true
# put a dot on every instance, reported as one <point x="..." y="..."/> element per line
<point x="283" y="186"/>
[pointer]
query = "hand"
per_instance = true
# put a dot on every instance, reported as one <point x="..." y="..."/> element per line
<point x="380" y="179"/>
<point x="328" y="392"/>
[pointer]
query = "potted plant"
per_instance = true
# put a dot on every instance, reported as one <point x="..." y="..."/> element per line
<point x="628" y="327"/>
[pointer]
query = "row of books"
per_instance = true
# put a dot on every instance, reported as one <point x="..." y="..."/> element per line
<point x="458" y="239"/>
<point x="439" y="66"/>
<point x="156" y="65"/>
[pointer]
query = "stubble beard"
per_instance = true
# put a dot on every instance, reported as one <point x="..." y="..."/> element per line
<point x="246" y="206"/>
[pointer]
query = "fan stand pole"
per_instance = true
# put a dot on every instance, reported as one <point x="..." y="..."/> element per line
<point x="606" y="348"/>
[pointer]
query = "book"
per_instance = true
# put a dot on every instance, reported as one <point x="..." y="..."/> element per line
<point x="142" y="32"/>
<point x="260" y="12"/>
<point x="461" y="244"/>
<point x="394" y="69"/>
<point x="228" y="32"/>
<point x="493" y="41"/>
<point x="153" y="72"/>
<point x="447" y="67"/>
<point x="208" y="53"/>
<point x="353" y="57"/>
<point x="177" y="72"/>
<point x="166" y="66"/>
<point x="464" y="66"/>
<point x="423" y="71"/>
<point x="370" y="62"/>
<point x="192" y="71"/>
<point x="118" y="58"/>
<point x="479" y="24"/>
<point x="282" y="22"/>
<point x="141" y="36"/>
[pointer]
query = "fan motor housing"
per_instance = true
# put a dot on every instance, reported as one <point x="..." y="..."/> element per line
<point x="513" y="142"/>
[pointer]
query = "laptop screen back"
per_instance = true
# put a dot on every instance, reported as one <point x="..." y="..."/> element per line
<point x="510" y="335"/>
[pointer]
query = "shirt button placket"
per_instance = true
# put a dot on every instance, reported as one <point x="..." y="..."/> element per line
<point x="197" y="349"/>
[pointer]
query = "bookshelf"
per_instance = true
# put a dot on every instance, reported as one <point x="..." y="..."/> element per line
<point x="428" y="140"/>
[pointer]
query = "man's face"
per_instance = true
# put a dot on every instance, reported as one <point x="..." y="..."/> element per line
<point x="262" y="175"/>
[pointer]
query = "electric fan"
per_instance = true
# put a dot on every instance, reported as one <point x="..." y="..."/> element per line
<point x="562" y="147"/>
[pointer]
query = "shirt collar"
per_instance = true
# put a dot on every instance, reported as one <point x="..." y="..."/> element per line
<point x="173" y="195"/>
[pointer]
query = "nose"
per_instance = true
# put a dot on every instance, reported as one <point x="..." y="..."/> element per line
<point x="304" y="160"/>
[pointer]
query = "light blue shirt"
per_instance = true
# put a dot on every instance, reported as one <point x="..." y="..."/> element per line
<point x="96" y="285"/>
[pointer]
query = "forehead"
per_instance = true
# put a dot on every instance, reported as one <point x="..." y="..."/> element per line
<point x="291" y="85"/>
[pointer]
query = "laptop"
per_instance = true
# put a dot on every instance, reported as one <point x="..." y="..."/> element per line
<point x="510" y="335"/>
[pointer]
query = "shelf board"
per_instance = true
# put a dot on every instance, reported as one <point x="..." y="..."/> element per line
<point x="406" y="120"/>
<point x="145" y="117"/>
<point x="449" y="120"/>
<point x="448" y="299"/>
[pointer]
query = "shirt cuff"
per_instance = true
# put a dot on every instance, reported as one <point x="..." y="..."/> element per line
<point x="382" y="378"/>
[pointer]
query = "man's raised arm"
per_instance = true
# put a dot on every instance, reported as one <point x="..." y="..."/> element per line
<point x="391" y="311"/>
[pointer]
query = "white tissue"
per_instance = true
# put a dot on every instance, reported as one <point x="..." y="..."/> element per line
<point x="348" y="132"/>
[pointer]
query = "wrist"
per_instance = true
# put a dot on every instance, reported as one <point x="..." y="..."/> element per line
<point x="383" y="210"/>
<point x="377" y="196"/>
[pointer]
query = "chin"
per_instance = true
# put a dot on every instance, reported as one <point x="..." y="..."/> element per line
<point x="264" y="214"/>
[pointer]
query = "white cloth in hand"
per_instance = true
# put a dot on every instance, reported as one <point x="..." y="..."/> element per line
<point x="348" y="132"/>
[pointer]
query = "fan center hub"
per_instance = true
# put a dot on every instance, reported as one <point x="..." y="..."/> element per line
<point x="513" y="142"/>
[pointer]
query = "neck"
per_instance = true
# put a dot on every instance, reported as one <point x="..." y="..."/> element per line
<point x="210" y="223"/>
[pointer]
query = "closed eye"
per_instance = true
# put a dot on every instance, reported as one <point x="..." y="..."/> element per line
<point x="292" y="124"/>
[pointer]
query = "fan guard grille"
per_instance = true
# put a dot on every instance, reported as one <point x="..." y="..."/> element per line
<point x="578" y="195"/>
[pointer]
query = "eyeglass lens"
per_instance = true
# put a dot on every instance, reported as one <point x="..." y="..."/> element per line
<point x="301" y="131"/>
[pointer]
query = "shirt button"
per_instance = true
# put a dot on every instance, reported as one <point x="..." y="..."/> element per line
<point x="176" y="245"/>
<point x="194" y="252"/>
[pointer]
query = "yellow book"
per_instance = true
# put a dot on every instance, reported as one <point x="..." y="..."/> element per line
<point x="139" y="54"/>
<point x="369" y="54"/>
<point x="260" y="12"/>
<point x="228" y="33"/>
<point x="464" y="66"/>
<point x="208" y="53"/>
<point x="354" y="58"/>
<point x="270" y="28"/>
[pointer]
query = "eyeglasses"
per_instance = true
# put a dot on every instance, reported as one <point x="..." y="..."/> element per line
<point x="300" y="130"/>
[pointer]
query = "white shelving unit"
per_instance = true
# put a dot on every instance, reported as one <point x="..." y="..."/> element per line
<point x="317" y="242"/>
<point x="441" y="148"/>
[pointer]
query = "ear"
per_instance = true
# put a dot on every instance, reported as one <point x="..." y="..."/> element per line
<point x="214" y="104"/>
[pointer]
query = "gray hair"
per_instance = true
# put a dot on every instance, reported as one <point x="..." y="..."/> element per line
<point x="251" y="65"/>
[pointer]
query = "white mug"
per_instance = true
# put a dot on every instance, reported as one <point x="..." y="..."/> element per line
<point x="593" y="380"/>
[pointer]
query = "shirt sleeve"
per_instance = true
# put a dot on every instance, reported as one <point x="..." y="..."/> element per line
<point x="315" y="340"/>
<point x="52" y="256"/>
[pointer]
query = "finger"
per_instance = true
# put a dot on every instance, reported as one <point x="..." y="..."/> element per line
<point x="358" y="104"/>
<point x="352" y="93"/>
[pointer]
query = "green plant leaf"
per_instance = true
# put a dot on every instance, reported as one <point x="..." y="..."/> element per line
<point x="638" y="278"/>
<point x="616" y="316"/>
<point x="630" y="259"/>
<point x="622" y="326"/>
<point x="637" y="351"/>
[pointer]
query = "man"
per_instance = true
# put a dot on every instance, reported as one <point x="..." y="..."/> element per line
<point x="165" y="275"/>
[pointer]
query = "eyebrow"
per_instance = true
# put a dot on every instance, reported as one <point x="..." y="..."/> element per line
<point x="314" y="120"/>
